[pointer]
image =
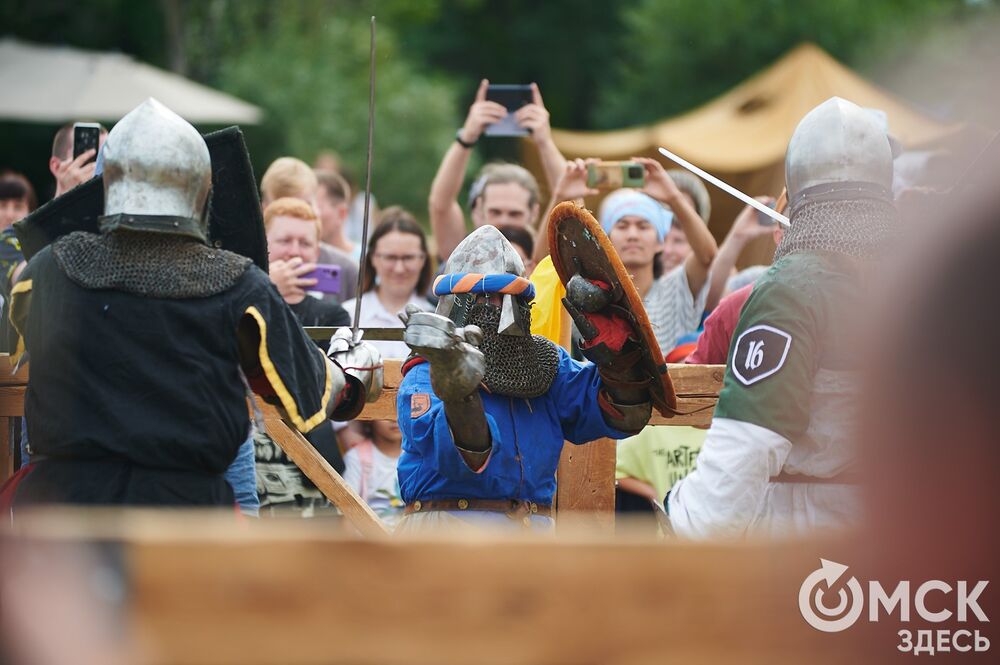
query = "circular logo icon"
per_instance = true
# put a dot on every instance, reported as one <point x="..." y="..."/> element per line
<point x="817" y="585"/>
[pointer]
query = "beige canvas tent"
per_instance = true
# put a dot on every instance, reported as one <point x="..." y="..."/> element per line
<point x="741" y="136"/>
<point x="58" y="83"/>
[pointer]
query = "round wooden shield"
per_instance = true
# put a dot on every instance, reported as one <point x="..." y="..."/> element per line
<point x="578" y="244"/>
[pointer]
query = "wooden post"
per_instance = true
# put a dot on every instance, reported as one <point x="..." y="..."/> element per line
<point x="6" y="450"/>
<point x="324" y="476"/>
<point x="586" y="473"/>
<point x="12" y="387"/>
<point x="586" y="483"/>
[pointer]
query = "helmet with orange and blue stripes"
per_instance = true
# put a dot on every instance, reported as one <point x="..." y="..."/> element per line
<point x="485" y="263"/>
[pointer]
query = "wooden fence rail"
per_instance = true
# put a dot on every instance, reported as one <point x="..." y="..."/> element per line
<point x="585" y="475"/>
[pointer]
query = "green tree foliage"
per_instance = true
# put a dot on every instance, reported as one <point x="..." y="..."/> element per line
<point x="676" y="54"/>
<point x="600" y="65"/>
<point x="103" y="25"/>
<point x="566" y="46"/>
<point x="306" y="64"/>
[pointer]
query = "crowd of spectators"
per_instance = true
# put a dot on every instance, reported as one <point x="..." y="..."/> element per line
<point x="689" y="283"/>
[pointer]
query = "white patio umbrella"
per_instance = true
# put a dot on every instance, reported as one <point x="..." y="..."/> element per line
<point x="52" y="84"/>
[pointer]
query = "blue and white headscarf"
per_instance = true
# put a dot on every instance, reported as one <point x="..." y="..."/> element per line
<point x="627" y="202"/>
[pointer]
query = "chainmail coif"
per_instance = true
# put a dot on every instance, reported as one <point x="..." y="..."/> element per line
<point x="858" y="228"/>
<point x="156" y="265"/>
<point x="516" y="365"/>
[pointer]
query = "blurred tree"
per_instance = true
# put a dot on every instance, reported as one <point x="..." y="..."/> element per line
<point x="599" y="64"/>
<point x="104" y="25"/>
<point x="564" y="46"/>
<point x="306" y="64"/>
<point x="676" y="54"/>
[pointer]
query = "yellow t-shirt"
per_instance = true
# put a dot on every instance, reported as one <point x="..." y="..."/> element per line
<point x="659" y="455"/>
<point x="547" y="308"/>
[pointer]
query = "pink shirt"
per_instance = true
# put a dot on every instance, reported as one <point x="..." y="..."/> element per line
<point x="713" y="343"/>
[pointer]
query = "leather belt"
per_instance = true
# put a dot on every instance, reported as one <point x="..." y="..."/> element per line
<point x="512" y="508"/>
<point x="839" y="479"/>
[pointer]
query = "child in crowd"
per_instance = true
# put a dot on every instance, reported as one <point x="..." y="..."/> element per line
<point x="371" y="469"/>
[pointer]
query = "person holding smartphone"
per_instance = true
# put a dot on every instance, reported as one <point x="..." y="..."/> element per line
<point x="507" y="195"/>
<point x="291" y="177"/>
<point x="637" y="221"/>
<point x="71" y="167"/>
<point x="292" y="228"/>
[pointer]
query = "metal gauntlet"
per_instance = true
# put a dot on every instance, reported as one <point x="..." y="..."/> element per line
<point x="457" y="367"/>
<point x="361" y="364"/>
<point x="609" y="343"/>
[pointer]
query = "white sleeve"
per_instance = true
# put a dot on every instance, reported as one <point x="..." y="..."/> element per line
<point x="352" y="470"/>
<point x="726" y="491"/>
<point x="348" y="306"/>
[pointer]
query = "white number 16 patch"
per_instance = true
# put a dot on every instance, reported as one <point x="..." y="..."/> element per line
<point x="760" y="352"/>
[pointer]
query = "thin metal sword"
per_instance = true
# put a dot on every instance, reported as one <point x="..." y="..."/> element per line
<point x="981" y="160"/>
<point x="749" y="200"/>
<point x="368" y="186"/>
<point x="322" y="333"/>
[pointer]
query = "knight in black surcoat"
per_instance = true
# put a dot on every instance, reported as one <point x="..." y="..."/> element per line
<point x="144" y="338"/>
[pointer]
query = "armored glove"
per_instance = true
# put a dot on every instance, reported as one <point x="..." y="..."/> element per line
<point x="609" y="342"/>
<point x="457" y="366"/>
<point x="360" y="361"/>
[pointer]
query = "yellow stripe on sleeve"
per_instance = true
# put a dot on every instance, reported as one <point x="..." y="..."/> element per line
<point x="20" y="303"/>
<point x="287" y="401"/>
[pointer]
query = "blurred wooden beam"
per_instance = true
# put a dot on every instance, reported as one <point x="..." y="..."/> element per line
<point x="213" y="591"/>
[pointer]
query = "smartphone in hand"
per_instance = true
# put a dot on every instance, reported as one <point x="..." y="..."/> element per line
<point x="613" y="175"/>
<point x="86" y="136"/>
<point x="327" y="278"/>
<point x="767" y="220"/>
<point x="511" y="97"/>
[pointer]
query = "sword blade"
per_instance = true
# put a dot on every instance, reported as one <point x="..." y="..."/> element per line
<point x="729" y="189"/>
<point x="981" y="160"/>
<point x="323" y="334"/>
<point x="368" y="184"/>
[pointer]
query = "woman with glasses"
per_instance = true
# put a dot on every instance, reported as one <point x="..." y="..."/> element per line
<point x="398" y="272"/>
